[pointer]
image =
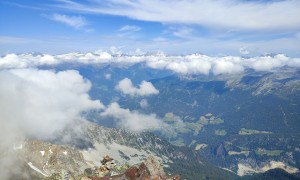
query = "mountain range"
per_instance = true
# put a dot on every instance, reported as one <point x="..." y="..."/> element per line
<point x="242" y="125"/>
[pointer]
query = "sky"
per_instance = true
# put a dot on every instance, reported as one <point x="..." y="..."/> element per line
<point x="216" y="28"/>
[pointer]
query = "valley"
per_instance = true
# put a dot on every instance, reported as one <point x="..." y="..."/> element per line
<point x="230" y="120"/>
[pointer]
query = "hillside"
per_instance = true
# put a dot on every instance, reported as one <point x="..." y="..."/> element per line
<point x="127" y="148"/>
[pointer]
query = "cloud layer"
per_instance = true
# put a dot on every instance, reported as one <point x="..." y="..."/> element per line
<point x="187" y="64"/>
<point x="38" y="103"/>
<point x="145" y="88"/>
<point x="230" y="14"/>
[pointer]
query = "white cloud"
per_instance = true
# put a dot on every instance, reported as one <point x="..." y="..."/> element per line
<point x="26" y="60"/>
<point x="227" y="66"/>
<point x="129" y="28"/>
<point x="244" y="51"/>
<point x="137" y="52"/>
<point x="115" y="50"/>
<point x="230" y="14"/>
<point x="144" y="89"/>
<point x="132" y="120"/>
<point x="268" y="63"/>
<point x="144" y="103"/>
<point x="185" y="64"/>
<point x="73" y="21"/>
<point x="48" y="59"/>
<point x="183" y="32"/>
<point x="38" y="103"/>
<point x="13" y="61"/>
<point x="190" y="65"/>
<point x="107" y="76"/>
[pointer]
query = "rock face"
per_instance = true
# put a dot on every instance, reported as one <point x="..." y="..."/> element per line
<point x="154" y="167"/>
<point x="220" y="151"/>
<point x="149" y="169"/>
<point x="107" y="164"/>
<point x="51" y="160"/>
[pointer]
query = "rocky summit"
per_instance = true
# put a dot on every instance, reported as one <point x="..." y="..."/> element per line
<point x="55" y="162"/>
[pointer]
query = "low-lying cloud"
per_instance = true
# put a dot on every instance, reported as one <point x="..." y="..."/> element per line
<point x="39" y="103"/>
<point x="144" y="103"/>
<point x="185" y="64"/>
<point x="145" y="88"/>
<point x="132" y="120"/>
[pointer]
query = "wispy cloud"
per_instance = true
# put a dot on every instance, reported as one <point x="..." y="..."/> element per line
<point x="130" y="28"/>
<point x="73" y="21"/>
<point x="24" y="6"/>
<point x="180" y="32"/>
<point x="230" y="14"/>
<point x="129" y="31"/>
<point x="14" y="40"/>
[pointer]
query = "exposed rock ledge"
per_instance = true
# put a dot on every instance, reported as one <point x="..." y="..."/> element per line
<point x="149" y="169"/>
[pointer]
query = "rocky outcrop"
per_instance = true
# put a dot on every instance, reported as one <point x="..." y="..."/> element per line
<point x="51" y="161"/>
<point x="107" y="164"/>
<point x="149" y="169"/>
<point x="221" y="151"/>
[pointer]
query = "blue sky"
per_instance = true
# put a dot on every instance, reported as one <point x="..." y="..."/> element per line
<point x="221" y="27"/>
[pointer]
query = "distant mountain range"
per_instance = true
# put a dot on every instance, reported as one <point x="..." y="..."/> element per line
<point x="244" y="125"/>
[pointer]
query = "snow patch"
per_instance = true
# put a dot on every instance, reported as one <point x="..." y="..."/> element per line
<point x="36" y="169"/>
<point x="42" y="152"/>
<point x="50" y="150"/>
<point x="65" y="152"/>
<point x="226" y="169"/>
<point x="94" y="156"/>
<point x="18" y="147"/>
<point x="200" y="146"/>
<point x="244" y="169"/>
